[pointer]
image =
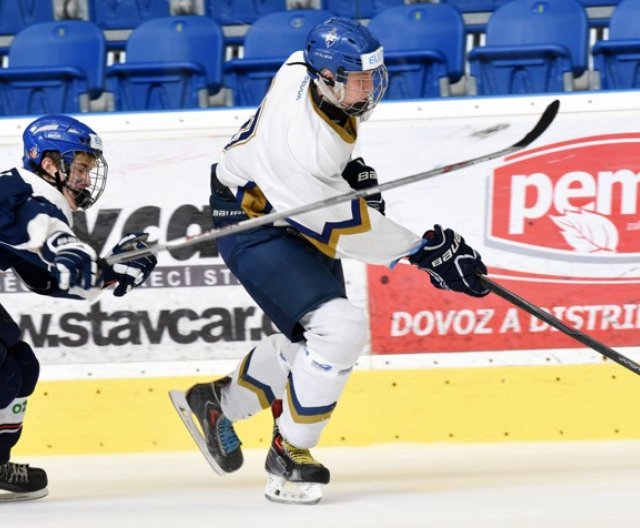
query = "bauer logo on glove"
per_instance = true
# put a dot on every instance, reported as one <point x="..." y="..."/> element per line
<point x="450" y="262"/>
<point x="360" y="176"/>
<point x="431" y="236"/>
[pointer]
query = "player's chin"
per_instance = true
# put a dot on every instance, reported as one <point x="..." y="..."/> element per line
<point x="72" y="198"/>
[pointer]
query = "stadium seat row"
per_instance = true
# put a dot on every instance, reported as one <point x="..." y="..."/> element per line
<point x="177" y="62"/>
<point x="15" y="15"/>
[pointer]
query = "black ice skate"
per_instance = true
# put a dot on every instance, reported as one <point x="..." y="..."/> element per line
<point x="294" y="476"/>
<point x="22" y="482"/>
<point x="218" y="440"/>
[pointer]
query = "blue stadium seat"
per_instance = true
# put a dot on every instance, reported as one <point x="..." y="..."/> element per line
<point x="126" y="14"/>
<point x="599" y="11"/>
<point x="54" y="67"/>
<point x="475" y="13"/>
<point x="617" y="60"/>
<point x="15" y="15"/>
<point x="599" y="3"/>
<point x="423" y="49"/>
<point x="171" y="63"/>
<point x="475" y="6"/>
<point x="230" y="12"/>
<point x="117" y="18"/>
<point x="359" y="8"/>
<point x="532" y="46"/>
<point x="268" y="43"/>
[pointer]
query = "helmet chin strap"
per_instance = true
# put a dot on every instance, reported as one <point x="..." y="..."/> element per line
<point x="333" y="93"/>
<point x="62" y="185"/>
<point x="58" y="182"/>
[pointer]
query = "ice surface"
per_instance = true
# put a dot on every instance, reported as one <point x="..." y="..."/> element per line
<point x="510" y="485"/>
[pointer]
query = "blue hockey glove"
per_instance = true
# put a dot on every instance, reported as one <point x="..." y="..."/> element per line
<point x="360" y="176"/>
<point x="450" y="262"/>
<point x="132" y="273"/>
<point x="71" y="261"/>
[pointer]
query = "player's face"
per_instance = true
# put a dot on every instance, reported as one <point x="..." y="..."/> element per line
<point x="78" y="177"/>
<point x="358" y="88"/>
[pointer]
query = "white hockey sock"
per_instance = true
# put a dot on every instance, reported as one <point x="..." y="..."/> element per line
<point x="259" y="378"/>
<point x="336" y="333"/>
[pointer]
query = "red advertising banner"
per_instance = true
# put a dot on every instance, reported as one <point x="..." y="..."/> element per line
<point x="408" y="315"/>
<point x="562" y="230"/>
<point x="578" y="197"/>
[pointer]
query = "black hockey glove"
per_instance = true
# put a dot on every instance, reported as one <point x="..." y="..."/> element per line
<point x="451" y="263"/>
<point x="132" y="273"/>
<point x="71" y="261"/>
<point x="360" y="176"/>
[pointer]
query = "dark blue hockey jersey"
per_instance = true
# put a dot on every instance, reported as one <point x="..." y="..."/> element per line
<point x="30" y="211"/>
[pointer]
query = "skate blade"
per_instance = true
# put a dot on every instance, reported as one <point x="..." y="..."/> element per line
<point x="16" y="496"/>
<point x="180" y="403"/>
<point x="281" y="490"/>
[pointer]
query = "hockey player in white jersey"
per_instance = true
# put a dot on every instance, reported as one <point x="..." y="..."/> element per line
<point x="63" y="170"/>
<point x="297" y="149"/>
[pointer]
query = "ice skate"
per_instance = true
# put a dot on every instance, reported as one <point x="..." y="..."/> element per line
<point x="217" y="439"/>
<point x="21" y="482"/>
<point x="294" y="476"/>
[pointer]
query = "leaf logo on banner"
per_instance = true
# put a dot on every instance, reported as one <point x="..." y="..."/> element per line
<point x="588" y="232"/>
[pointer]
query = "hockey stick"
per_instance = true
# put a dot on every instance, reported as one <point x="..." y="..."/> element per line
<point x="543" y="123"/>
<point x="538" y="312"/>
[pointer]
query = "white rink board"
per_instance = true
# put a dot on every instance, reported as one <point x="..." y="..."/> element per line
<point x="159" y="181"/>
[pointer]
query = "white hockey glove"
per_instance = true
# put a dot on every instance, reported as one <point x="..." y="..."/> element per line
<point x="132" y="273"/>
<point x="450" y="262"/>
<point x="71" y="261"/>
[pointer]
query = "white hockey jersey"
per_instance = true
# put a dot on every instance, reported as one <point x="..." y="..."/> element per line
<point x="290" y="153"/>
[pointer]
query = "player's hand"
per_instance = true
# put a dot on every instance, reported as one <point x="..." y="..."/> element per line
<point x="71" y="261"/>
<point x="360" y="176"/>
<point x="132" y="273"/>
<point x="450" y="262"/>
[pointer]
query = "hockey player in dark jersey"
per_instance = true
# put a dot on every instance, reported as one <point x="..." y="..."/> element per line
<point x="63" y="170"/>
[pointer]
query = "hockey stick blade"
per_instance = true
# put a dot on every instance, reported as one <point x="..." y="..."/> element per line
<point x="542" y="124"/>
<point x="182" y="407"/>
<point x="541" y="314"/>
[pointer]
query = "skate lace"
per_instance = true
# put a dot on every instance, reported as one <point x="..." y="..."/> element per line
<point x="228" y="438"/>
<point x="14" y="473"/>
<point x="299" y="456"/>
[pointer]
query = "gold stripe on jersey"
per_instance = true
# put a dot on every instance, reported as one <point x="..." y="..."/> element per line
<point x="329" y="248"/>
<point x="254" y="202"/>
<point x="348" y="132"/>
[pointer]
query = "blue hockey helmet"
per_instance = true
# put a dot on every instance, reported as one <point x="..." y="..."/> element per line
<point x="339" y="47"/>
<point x="63" y="139"/>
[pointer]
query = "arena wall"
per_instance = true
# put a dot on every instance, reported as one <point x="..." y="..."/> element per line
<point x="557" y="223"/>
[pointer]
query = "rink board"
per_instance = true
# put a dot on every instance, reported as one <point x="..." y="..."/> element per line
<point x="557" y="222"/>
<point x="541" y="403"/>
<point x="479" y="370"/>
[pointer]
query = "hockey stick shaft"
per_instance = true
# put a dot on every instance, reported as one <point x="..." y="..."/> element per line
<point x="550" y="319"/>
<point x="543" y="123"/>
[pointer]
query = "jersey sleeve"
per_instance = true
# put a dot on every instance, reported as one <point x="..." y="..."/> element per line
<point x="40" y="282"/>
<point x="26" y="221"/>
<point x="349" y="229"/>
<point x="14" y="192"/>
